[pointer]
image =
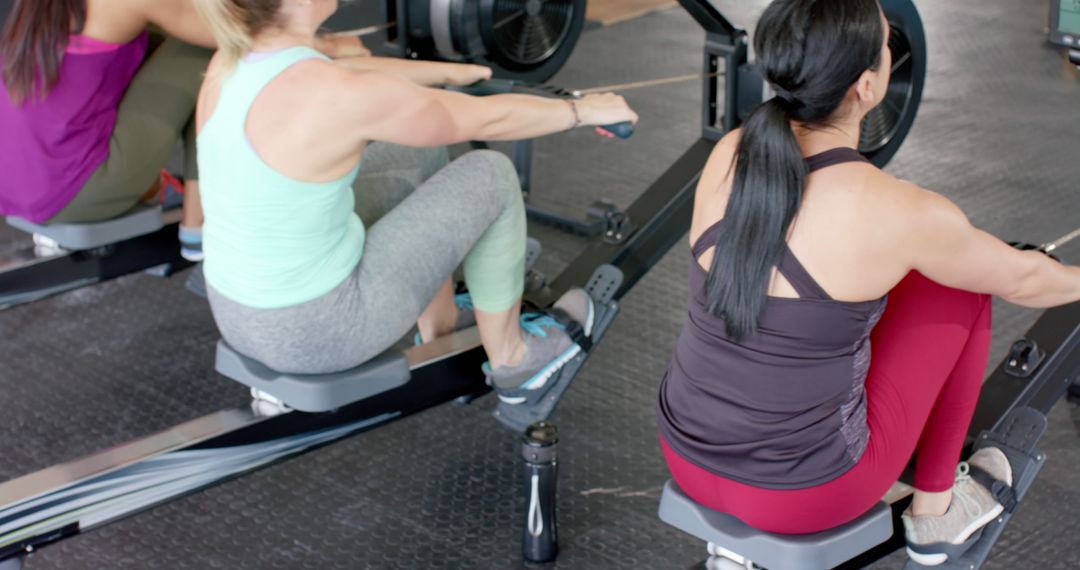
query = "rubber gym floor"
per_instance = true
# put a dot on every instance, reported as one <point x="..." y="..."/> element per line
<point x="998" y="133"/>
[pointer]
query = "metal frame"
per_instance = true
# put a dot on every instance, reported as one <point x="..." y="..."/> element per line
<point x="26" y="276"/>
<point x="442" y="370"/>
<point x="1058" y="333"/>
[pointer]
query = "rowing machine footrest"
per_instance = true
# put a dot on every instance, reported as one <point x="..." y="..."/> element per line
<point x="729" y="537"/>
<point x="1017" y="436"/>
<point x="140" y="221"/>
<point x="315" y="392"/>
<point x="602" y="286"/>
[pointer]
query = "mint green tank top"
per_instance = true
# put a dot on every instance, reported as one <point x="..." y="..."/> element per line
<point x="270" y="241"/>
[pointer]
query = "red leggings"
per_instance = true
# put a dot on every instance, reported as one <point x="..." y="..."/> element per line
<point x="930" y="352"/>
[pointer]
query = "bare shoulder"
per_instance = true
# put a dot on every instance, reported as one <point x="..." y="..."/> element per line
<point x="909" y="212"/>
<point x="907" y="198"/>
<point x="334" y="84"/>
<point x="723" y="154"/>
<point x="147" y="11"/>
<point x="150" y="9"/>
<point x="115" y="21"/>
<point x="716" y="176"/>
<point x="711" y="195"/>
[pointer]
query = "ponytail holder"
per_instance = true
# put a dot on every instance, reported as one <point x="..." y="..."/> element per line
<point x="788" y="102"/>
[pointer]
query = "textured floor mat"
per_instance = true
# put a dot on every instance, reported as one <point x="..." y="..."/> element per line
<point x="96" y="367"/>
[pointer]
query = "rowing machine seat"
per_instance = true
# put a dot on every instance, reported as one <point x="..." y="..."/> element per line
<point x="140" y="221"/>
<point x="730" y="538"/>
<point x="315" y="392"/>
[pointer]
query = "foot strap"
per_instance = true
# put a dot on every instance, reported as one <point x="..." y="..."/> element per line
<point x="574" y="329"/>
<point x="1002" y="491"/>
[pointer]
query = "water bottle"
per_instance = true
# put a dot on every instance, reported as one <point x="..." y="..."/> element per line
<point x="539" y="447"/>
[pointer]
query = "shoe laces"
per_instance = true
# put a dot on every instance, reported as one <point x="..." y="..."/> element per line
<point x="170" y="181"/>
<point x="963" y="479"/>
<point x="463" y="301"/>
<point x="537" y="324"/>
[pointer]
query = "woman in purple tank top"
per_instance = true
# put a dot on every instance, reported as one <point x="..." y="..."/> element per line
<point x="92" y="107"/>
<point x="773" y="408"/>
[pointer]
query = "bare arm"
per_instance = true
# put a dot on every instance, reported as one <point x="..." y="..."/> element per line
<point x="178" y="18"/>
<point x="427" y="73"/>
<point x="388" y="108"/>
<point x="948" y="249"/>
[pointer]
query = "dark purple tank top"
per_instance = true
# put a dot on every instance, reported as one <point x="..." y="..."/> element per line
<point x="785" y="407"/>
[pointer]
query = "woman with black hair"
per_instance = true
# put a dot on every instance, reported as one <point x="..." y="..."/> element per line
<point x="805" y="255"/>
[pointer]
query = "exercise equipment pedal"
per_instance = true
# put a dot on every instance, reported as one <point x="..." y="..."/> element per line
<point x="602" y="286"/>
<point x="1017" y="436"/>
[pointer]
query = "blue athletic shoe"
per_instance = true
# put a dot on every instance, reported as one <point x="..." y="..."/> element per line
<point x="466" y="315"/>
<point x="548" y="348"/>
<point x="191" y="244"/>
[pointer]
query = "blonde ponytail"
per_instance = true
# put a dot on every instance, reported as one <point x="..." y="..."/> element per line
<point x="234" y="24"/>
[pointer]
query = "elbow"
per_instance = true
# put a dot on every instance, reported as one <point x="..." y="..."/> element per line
<point x="440" y="133"/>
<point x="491" y="126"/>
<point x="1028" y="286"/>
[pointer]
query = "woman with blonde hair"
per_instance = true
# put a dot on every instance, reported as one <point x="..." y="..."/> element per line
<point x="307" y="277"/>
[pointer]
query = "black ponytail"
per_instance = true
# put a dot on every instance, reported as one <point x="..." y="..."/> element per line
<point x="811" y="52"/>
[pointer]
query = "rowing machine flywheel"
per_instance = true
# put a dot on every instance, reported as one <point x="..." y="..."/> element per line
<point x="529" y="40"/>
<point x="885" y="128"/>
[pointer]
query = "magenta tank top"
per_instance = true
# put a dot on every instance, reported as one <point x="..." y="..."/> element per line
<point x="50" y="147"/>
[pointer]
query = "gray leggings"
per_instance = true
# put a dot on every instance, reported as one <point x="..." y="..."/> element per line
<point x="423" y="218"/>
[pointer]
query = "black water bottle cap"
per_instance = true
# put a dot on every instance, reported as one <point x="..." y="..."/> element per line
<point x="541" y="434"/>
<point x="539" y="441"/>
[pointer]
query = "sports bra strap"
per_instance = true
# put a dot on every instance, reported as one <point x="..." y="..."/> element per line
<point x="790" y="266"/>
<point x="832" y="157"/>
<point x="799" y="278"/>
<point x="706" y="240"/>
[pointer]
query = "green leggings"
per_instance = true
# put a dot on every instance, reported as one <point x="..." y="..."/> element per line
<point x="158" y="109"/>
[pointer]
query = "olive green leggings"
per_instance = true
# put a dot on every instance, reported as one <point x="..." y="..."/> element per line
<point x="158" y="109"/>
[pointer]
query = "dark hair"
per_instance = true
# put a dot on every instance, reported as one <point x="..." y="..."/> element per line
<point x="811" y="52"/>
<point x="33" y="44"/>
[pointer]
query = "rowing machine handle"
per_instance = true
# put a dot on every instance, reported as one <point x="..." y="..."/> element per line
<point x="622" y="130"/>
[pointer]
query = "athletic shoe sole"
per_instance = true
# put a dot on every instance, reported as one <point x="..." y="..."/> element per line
<point x="939" y="559"/>
<point x="192" y="255"/>
<point x="545" y="374"/>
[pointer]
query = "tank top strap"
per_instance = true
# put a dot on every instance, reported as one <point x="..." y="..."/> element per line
<point x="832" y="157"/>
<point x="790" y="266"/>
<point x="706" y="240"/>
<point x="239" y="91"/>
<point x="792" y="270"/>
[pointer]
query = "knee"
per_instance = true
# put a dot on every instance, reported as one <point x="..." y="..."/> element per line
<point x="498" y="175"/>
